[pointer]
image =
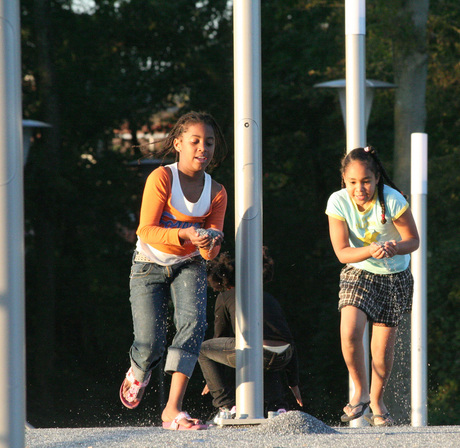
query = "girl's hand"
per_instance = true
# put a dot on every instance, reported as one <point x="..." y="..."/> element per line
<point x="377" y="251"/>
<point x="218" y="239"/>
<point x="215" y="237"/>
<point x="201" y="238"/>
<point x="296" y="391"/>
<point x="391" y="248"/>
<point x="190" y="234"/>
<point x="388" y="249"/>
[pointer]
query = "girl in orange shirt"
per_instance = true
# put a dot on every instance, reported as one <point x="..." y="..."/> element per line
<point x="181" y="223"/>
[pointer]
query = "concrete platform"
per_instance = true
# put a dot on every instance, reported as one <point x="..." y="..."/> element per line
<point x="292" y="430"/>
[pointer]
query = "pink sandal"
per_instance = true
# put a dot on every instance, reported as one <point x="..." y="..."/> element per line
<point x="131" y="390"/>
<point x="175" y="425"/>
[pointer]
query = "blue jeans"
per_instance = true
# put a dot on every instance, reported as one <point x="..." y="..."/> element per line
<point x="152" y="287"/>
<point x="218" y="354"/>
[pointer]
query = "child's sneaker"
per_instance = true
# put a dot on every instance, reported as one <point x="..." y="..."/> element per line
<point x="131" y="390"/>
<point x="224" y="412"/>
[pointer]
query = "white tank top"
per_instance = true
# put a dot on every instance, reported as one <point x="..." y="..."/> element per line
<point x="180" y="202"/>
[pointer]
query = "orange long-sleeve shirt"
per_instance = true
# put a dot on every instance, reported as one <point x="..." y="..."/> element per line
<point x="160" y="222"/>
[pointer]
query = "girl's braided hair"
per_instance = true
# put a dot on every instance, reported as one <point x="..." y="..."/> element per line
<point x="369" y="156"/>
<point x="181" y="126"/>
<point x="221" y="271"/>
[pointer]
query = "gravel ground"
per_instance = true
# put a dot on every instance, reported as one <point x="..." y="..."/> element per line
<point x="294" y="429"/>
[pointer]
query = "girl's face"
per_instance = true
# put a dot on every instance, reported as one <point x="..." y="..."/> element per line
<point x="195" y="147"/>
<point x="360" y="183"/>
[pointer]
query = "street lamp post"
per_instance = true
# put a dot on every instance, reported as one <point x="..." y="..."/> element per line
<point x="371" y="86"/>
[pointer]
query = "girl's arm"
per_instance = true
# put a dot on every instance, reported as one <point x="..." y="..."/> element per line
<point x="410" y="240"/>
<point x="155" y="195"/>
<point x="215" y="220"/>
<point x="338" y="231"/>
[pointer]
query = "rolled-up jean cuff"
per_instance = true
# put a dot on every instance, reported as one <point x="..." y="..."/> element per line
<point x="180" y="361"/>
<point x="139" y="374"/>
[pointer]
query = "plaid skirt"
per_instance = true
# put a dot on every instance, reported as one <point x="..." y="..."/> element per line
<point x="383" y="297"/>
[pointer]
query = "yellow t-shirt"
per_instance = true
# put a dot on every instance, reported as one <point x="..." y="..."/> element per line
<point x="366" y="227"/>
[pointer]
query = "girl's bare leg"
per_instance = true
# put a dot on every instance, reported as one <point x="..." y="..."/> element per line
<point x="382" y="349"/>
<point x="352" y="324"/>
<point x="179" y="383"/>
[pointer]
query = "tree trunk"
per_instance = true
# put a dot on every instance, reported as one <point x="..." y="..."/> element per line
<point x="410" y="66"/>
<point x="45" y="222"/>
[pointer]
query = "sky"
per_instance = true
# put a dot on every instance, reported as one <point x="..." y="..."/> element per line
<point x="81" y="6"/>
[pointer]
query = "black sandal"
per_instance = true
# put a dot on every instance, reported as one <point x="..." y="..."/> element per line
<point x="387" y="419"/>
<point x="348" y="418"/>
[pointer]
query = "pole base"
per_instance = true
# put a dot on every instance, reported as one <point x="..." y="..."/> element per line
<point x="239" y="421"/>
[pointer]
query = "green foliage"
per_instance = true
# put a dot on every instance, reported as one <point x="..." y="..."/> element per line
<point x="131" y="59"/>
<point x="443" y="124"/>
<point x="443" y="288"/>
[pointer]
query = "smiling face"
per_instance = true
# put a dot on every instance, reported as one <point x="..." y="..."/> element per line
<point x="360" y="182"/>
<point x="195" y="147"/>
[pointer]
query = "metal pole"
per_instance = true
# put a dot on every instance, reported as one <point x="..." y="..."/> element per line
<point x="419" y="363"/>
<point x="248" y="209"/>
<point x="355" y="54"/>
<point x="12" y="359"/>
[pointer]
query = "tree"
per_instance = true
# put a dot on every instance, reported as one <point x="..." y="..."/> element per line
<point x="410" y="49"/>
<point x="131" y="59"/>
<point x="91" y="71"/>
<point x="46" y="205"/>
<point x="403" y="25"/>
<point x="443" y="96"/>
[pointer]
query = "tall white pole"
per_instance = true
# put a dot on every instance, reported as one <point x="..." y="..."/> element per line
<point x="355" y="54"/>
<point x="419" y="362"/>
<point x="248" y="209"/>
<point x="12" y="359"/>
